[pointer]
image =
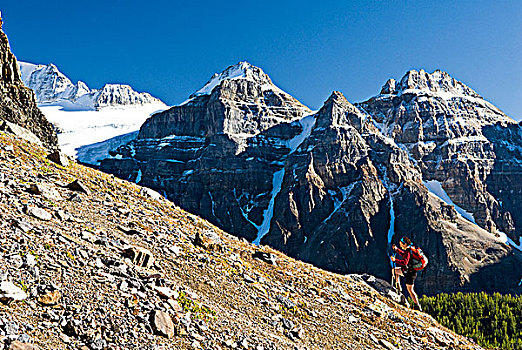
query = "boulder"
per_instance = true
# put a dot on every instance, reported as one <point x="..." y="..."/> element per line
<point x="208" y="240"/>
<point x="58" y="158"/>
<point x="50" y="298"/>
<point x="10" y="292"/>
<point x="39" y="213"/>
<point x="78" y="186"/>
<point x="45" y="191"/>
<point x="162" y="324"/>
<point x="139" y="256"/>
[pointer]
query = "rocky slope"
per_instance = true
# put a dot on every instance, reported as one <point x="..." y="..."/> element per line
<point x="17" y="103"/>
<point x="427" y="158"/>
<point x="93" y="262"/>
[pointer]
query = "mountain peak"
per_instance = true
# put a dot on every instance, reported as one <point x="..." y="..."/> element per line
<point x="420" y="81"/>
<point x="337" y="111"/>
<point x="336" y="97"/>
<point x="240" y="70"/>
<point x="52" y="86"/>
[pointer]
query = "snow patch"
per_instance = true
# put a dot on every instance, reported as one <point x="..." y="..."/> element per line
<point x="307" y="123"/>
<point x="277" y="182"/>
<point x="345" y="191"/>
<point x="77" y="128"/>
<point x="435" y="187"/>
<point x="93" y="153"/>
<point x="212" y="204"/>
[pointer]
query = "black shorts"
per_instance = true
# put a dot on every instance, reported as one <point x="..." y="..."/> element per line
<point x="410" y="276"/>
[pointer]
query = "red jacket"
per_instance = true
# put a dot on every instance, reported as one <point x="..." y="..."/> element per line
<point x="406" y="255"/>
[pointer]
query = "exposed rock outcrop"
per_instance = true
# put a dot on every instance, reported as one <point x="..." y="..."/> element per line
<point x="17" y="102"/>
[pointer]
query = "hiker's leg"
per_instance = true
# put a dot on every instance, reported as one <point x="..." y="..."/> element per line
<point x="398" y="271"/>
<point x="412" y="293"/>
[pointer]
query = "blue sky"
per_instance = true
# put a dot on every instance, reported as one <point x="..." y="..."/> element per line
<point x="309" y="48"/>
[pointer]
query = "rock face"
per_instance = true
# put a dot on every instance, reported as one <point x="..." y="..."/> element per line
<point x="52" y="86"/>
<point x="218" y="149"/>
<point x="426" y="158"/>
<point x="17" y="102"/>
<point x="441" y="123"/>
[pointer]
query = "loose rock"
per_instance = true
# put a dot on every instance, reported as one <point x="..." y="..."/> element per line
<point x="50" y="298"/>
<point x="10" y="292"/>
<point x="39" y="213"/>
<point x="162" y="324"/>
<point x="139" y="256"/>
<point x="17" y="345"/>
<point x="78" y="186"/>
<point x="59" y="158"/>
<point x="208" y="240"/>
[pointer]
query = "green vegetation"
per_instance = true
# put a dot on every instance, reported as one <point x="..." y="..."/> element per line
<point x="493" y="321"/>
<point x="197" y="311"/>
<point x="22" y="285"/>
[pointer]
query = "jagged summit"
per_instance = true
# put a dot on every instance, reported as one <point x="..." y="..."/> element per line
<point x="122" y="94"/>
<point x="460" y="106"/>
<point x="438" y="82"/>
<point x="49" y="84"/>
<point x="241" y="70"/>
<point x="337" y="111"/>
<point x="52" y="86"/>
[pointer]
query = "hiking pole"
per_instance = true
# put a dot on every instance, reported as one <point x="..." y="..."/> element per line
<point x="395" y="279"/>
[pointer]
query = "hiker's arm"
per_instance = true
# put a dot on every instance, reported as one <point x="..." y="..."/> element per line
<point x="405" y="259"/>
<point x="400" y="251"/>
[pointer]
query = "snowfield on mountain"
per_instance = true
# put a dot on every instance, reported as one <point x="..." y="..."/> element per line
<point x="85" y="116"/>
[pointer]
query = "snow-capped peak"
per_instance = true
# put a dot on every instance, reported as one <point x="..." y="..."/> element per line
<point x="48" y="83"/>
<point x="436" y="83"/>
<point x="53" y="87"/>
<point x="118" y="94"/>
<point x="241" y="70"/>
<point x="27" y="69"/>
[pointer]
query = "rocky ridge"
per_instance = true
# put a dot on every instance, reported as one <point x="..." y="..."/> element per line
<point x="17" y="102"/>
<point x="424" y="158"/>
<point x="93" y="262"/>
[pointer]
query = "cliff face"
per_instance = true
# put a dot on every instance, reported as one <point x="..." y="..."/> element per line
<point x="442" y="123"/>
<point x="426" y="158"/>
<point x="17" y="102"/>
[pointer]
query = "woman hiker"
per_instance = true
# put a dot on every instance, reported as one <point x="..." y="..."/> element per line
<point x="406" y="268"/>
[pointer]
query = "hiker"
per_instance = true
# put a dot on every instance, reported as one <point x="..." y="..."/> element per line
<point x="406" y="269"/>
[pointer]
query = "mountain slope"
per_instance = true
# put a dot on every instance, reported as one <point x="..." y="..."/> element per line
<point x="104" y="264"/>
<point x="334" y="188"/>
<point x="208" y="140"/>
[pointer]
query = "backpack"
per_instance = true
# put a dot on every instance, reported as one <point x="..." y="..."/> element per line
<point x="419" y="259"/>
